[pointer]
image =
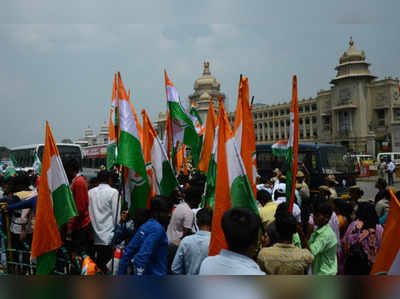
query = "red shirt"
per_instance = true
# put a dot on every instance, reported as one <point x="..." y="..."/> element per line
<point x="79" y="190"/>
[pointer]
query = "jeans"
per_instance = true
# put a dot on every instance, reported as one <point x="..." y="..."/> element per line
<point x="390" y="178"/>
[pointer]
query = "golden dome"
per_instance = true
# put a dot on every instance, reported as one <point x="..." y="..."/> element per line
<point x="206" y="81"/>
<point x="352" y="54"/>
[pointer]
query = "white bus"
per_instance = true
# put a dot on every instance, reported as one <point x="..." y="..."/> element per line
<point x="24" y="155"/>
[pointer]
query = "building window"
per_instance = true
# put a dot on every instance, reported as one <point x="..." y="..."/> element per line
<point x="287" y="122"/>
<point x="396" y="114"/>
<point x="276" y="136"/>
<point x="308" y="134"/>
<point x="270" y="124"/>
<point x="300" y="121"/>
<point x="265" y="125"/>
<point x="315" y="134"/>
<point x="307" y="121"/>
<point x="314" y="107"/>
<point x="265" y="114"/>
<point x="344" y="122"/>
<point x="276" y="112"/>
<point x="283" y="135"/>
<point x="260" y="126"/>
<point x="282" y="123"/>
<point x="380" y="115"/>
<point x="314" y="120"/>
<point x="287" y="111"/>
<point x="282" y="112"/>
<point x="255" y="126"/>
<point x="266" y="137"/>
<point x="276" y="124"/>
<point x="301" y="135"/>
<point x="271" y="114"/>
<point x="307" y="108"/>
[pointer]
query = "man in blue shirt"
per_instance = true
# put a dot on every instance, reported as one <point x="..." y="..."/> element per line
<point x="194" y="249"/>
<point x="150" y="244"/>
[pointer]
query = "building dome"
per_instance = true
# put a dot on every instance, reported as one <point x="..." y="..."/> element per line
<point x="204" y="97"/>
<point x="89" y="132"/>
<point x="206" y="81"/>
<point x="104" y="129"/>
<point x="352" y="54"/>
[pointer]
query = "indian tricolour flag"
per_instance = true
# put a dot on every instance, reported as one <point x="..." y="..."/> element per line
<point x="183" y="123"/>
<point x="209" y="133"/>
<point x="198" y="124"/>
<point x="232" y="184"/>
<point x="388" y="258"/>
<point x="208" y="160"/>
<point x="159" y="170"/>
<point x="289" y="148"/>
<point x="130" y="153"/>
<point x="37" y="165"/>
<point x="244" y="132"/>
<point x="55" y="207"/>
<point x="112" y="138"/>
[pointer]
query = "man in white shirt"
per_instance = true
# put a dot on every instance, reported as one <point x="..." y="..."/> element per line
<point x="280" y="196"/>
<point x="390" y="168"/>
<point x="104" y="214"/>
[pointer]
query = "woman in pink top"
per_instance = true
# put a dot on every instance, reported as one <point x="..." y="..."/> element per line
<point x="365" y="231"/>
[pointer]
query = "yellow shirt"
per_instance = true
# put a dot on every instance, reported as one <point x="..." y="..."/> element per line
<point x="267" y="213"/>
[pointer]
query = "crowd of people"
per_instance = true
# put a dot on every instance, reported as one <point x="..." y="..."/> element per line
<point x="324" y="234"/>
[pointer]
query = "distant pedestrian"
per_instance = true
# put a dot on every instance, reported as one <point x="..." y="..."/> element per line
<point x="382" y="170"/>
<point x="390" y="171"/>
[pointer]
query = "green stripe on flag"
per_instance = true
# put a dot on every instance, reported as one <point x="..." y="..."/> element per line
<point x="63" y="204"/>
<point x="242" y="195"/>
<point x="209" y="196"/>
<point x="168" y="182"/>
<point x="46" y="263"/>
<point x="111" y="155"/>
<point x="130" y="154"/>
<point x="289" y="168"/>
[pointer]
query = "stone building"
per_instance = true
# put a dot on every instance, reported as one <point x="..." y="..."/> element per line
<point x="90" y="138"/>
<point x="358" y="111"/>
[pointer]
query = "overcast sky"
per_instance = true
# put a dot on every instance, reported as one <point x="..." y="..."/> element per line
<point x="54" y="68"/>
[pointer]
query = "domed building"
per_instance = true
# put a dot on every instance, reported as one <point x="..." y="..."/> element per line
<point x="90" y="139"/>
<point x="206" y="88"/>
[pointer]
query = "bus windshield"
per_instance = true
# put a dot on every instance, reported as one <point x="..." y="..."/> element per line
<point x="333" y="161"/>
<point x="66" y="152"/>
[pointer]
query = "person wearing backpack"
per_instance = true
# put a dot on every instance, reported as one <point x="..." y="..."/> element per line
<point x="361" y="241"/>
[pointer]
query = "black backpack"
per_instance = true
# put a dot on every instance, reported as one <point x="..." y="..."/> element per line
<point x="357" y="262"/>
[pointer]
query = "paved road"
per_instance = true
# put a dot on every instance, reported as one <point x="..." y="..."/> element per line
<point x="368" y="186"/>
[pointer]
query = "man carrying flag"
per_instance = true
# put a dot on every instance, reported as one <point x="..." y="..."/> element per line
<point x="55" y="207"/>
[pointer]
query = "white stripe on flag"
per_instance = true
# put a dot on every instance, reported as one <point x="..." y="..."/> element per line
<point x="395" y="267"/>
<point x="56" y="175"/>
<point x="128" y="123"/>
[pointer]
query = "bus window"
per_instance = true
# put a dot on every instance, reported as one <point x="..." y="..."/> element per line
<point x="308" y="160"/>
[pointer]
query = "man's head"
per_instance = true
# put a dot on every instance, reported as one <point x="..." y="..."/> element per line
<point x="286" y="227"/>
<point x="331" y="181"/>
<point x="160" y="209"/>
<point x="324" y="191"/>
<point x="72" y="168"/>
<point x="300" y="177"/>
<point x="19" y="183"/>
<point x="193" y="196"/>
<point x="263" y="197"/>
<point x="381" y="184"/>
<point x="241" y="228"/>
<point x="280" y="190"/>
<point x="104" y="177"/>
<point x="322" y="213"/>
<point x="355" y="192"/>
<point x="204" y="219"/>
